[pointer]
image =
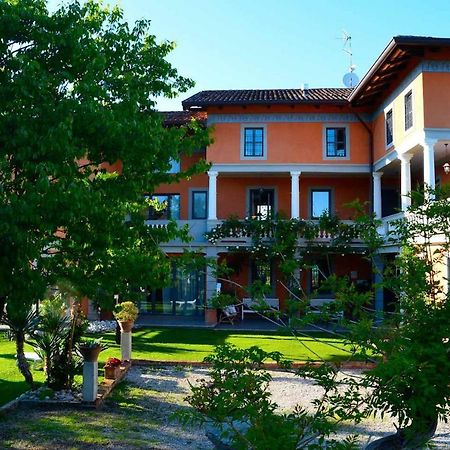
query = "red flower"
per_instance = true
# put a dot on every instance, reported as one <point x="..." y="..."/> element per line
<point x="113" y="362"/>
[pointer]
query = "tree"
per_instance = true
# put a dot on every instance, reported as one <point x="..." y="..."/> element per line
<point x="80" y="143"/>
<point x="410" y="345"/>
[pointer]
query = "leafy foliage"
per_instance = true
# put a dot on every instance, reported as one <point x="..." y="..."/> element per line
<point x="237" y="401"/>
<point x="55" y="339"/>
<point x="80" y="143"/>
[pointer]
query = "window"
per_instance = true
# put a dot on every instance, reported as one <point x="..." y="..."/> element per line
<point x="261" y="203"/>
<point x="319" y="273"/>
<point x="254" y="142"/>
<point x="199" y="204"/>
<point x="408" y="111"/>
<point x="166" y="206"/>
<point x="174" y="166"/>
<point x="263" y="273"/>
<point x="336" y="142"/>
<point x="320" y="202"/>
<point x="389" y="128"/>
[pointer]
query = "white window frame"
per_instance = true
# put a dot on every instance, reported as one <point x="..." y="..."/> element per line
<point x="347" y="142"/>
<point x="408" y="92"/>
<point x="265" y="149"/>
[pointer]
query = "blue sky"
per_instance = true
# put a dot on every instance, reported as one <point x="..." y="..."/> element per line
<point x="265" y="44"/>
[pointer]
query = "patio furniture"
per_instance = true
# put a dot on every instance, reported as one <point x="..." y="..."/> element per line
<point x="228" y="314"/>
<point x="248" y="303"/>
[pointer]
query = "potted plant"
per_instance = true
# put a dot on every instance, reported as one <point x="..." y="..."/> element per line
<point x="90" y="348"/>
<point x="112" y="368"/>
<point x="126" y="313"/>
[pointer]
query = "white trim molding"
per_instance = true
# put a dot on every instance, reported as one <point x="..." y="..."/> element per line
<point x="288" y="168"/>
<point x="284" y="117"/>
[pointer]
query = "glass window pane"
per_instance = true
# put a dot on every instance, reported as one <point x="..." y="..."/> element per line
<point x="160" y="210"/>
<point x="253" y="142"/>
<point x="336" y="142"/>
<point x="320" y="203"/>
<point x="330" y="134"/>
<point x="174" y="206"/>
<point x="199" y="205"/>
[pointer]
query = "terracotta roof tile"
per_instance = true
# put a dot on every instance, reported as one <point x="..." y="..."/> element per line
<point x="182" y="117"/>
<point x="268" y="96"/>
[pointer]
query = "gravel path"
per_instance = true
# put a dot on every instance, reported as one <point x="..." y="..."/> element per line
<point x="171" y="384"/>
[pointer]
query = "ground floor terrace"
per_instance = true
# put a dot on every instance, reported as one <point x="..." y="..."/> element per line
<point x="185" y="299"/>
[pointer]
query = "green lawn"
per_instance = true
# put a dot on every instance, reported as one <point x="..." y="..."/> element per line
<point x="12" y="383"/>
<point x="193" y="344"/>
<point x="180" y="344"/>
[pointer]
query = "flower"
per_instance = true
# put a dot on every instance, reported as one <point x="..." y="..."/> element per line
<point x="113" y="362"/>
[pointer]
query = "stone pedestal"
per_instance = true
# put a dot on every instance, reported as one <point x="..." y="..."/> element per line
<point x="90" y="381"/>
<point x="125" y="345"/>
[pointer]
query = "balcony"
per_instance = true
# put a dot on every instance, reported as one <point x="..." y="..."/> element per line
<point x="197" y="228"/>
<point x="242" y="232"/>
<point x="387" y="223"/>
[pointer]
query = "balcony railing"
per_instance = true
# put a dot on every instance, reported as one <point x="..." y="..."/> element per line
<point x="242" y="232"/>
<point x="197" y="228"/>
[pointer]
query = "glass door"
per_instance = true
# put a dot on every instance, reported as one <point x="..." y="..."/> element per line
<point x="262" y="203"/>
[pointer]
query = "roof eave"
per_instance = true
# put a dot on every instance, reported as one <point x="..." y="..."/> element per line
<point x="375" y="66"/>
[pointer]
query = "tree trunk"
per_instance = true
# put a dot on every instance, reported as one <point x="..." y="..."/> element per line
<point x="410" y="438"/>
<point x="22" y="362"/>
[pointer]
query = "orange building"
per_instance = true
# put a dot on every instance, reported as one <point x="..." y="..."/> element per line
<point x="300" y="152"/>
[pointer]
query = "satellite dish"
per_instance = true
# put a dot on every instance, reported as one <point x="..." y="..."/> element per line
<point x="350" y="79"/>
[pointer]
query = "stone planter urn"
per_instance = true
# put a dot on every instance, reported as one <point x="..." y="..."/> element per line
<point x="90" y="354"/>
<point x="126" y="313"/>
<point x="90" y="371"/>
<point x="126" y="325"/>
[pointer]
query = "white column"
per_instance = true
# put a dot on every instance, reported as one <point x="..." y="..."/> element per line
<point x="90" y="381"/>
<point x="377" y="206"/>
<point x="429" y="178"/>
<point x="125" y="345"/>
<point x="295" y="195"/>
<point x="212" y="195"/>
<point x="405" y="180"/>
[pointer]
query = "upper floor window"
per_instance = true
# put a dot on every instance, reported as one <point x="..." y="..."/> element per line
<point x="166" y="206"/>
<point x="389" y="128"/>
<point x="320" y="202"/>
<point x="199" y="204"/>
<point x="408" y="111"/>
<point x="254" y="142"/>
<point x="336" y="142"/>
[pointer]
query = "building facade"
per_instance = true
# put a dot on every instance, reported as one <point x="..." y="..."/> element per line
<point x="296" y="153"/>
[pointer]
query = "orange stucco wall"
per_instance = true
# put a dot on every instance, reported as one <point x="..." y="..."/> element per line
<point x="232" y="193"/>
<point x="183" y="187"/>
<point x="436" y="88"/>
<point x="298" y="142"/>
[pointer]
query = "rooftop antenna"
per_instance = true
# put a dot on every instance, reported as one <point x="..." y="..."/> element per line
<point x="350" y="79"/>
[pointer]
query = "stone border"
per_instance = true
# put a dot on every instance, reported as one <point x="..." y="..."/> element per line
<point x="270" y="366"/>
<point x="104" y="389"/>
